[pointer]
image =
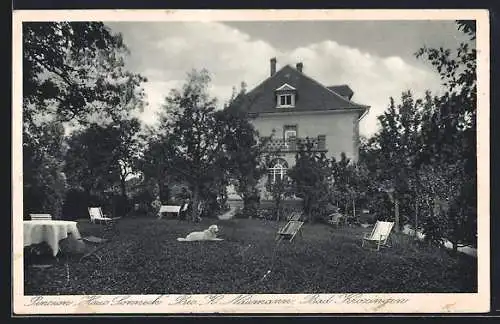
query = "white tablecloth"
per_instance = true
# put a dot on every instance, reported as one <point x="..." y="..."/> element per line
<point x="49" y="231"/>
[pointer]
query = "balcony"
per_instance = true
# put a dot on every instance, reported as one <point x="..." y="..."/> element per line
<point x="293" y="144"/>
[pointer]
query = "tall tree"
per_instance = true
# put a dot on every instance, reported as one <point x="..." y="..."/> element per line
<point x="100" y="157"/>
<point x="124" y="136"/>
<point x="449" y="133"/>
<point x="350" y="184"/>
<point x="194" y="135"/>
<point x="395" y="149"/>
<point x="279" y="189"/>
<point x="244" y="150"/>
<point x="154" y="161"/>
<point x="90" y="163"/>
<point x="73" y="72"/>
<point x="310" y="175"/>
<point x="43" y="176"/>
<point x="425" y="153"/>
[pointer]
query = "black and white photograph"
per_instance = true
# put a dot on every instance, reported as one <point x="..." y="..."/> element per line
<point x="250" y="162"/>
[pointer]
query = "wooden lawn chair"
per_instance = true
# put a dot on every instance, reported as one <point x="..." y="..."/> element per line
<point x="290" y="230"/>
<point x="295" y="216"/>
<point x="379" y="235"/>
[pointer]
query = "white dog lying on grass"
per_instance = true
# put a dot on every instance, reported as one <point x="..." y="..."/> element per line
<point x="209" y="234"/>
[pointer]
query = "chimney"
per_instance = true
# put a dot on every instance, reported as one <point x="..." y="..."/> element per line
<point x="299" y="67"/>
<point x="273" y="66"/>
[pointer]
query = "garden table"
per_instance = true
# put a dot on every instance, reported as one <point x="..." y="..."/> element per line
<point x="49" y="231"/>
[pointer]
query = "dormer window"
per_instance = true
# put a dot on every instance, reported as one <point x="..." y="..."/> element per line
<point x="285" y="100"/>
<point x="285" y="96"/>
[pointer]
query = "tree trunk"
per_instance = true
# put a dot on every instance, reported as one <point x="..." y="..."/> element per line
<point x="159" y="190"/>
<point x="278" y="206"/>
<point x="88" y="193"/>
<point x="416" y="215"/>
<point x="89" y="203"/>
<point x="123" y="187"/>
<point x="307" y="207"/>
<point x="346" y="206"/>
<point x="245" y="199"/>
<point x="396" y="215"/>
<point x="354" y="209"/>
<point x="194" y="206"/>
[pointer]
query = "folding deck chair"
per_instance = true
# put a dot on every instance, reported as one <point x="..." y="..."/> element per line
<point x="96" y="215"/>
<point x="84" y="247"/>
<point x="295" y="216"/>
<point x="379" y="235"/>
<point x="292" y="228"/>
<point x="337" y="219"/>
<point x="97" y="245"/>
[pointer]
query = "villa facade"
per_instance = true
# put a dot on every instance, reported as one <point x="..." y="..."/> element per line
<point x="293" y="107"/>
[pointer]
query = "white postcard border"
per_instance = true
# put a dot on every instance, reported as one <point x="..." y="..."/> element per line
<point x="259" y="303"/>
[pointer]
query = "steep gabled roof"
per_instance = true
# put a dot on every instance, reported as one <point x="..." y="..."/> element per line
<point x="311" y="95"/>
<point x="344" y="90"/>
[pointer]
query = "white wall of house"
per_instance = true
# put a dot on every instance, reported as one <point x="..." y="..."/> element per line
<point x="340" y="128"/>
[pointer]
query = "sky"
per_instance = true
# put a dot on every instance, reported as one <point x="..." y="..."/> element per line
<point x="375" y="58"/>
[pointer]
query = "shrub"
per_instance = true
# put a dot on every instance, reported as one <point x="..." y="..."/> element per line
<point x="75" y="205"/>
<point x="121" y="206"/>
<point x="37" y="253"/>
<point x="143" y="195"/>
<point x="368" y="218"/>
<point x="43" y="191"/>
<point x="155" y="206"/>
<point x="77" y="202"/>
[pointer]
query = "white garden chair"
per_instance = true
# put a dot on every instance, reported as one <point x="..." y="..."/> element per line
<point x="96" y="215"/>
<point x="41" y="216"/>
<point x="379" y="235"/>
<point x="171" y="209"/>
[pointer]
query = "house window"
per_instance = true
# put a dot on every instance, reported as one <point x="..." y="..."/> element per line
<point x="286" y="100"/>
<point x="285" y="96"/>
<point x="289" y="131"/>
<point x="277" y="171"/>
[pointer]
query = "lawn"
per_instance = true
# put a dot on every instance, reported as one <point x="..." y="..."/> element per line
<point x="144" y="257"/>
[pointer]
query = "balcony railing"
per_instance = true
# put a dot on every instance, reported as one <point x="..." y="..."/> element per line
<point x="293" y="144"/>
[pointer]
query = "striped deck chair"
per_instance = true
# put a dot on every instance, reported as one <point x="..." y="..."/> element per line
<point x="295" y="216"/>
<point x="379" y="235"/>
<point x="290" y="230"/>
<point x="292" y="227"/>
